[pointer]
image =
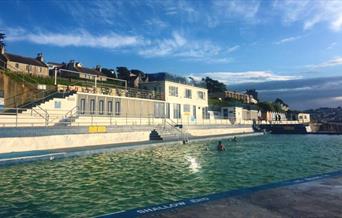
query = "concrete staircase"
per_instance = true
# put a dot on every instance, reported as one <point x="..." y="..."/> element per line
<point x="51" y="111"/>
<point x="169" y="131"/>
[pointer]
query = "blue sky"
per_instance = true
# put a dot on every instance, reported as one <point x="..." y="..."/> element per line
<point x="236" y="42"/>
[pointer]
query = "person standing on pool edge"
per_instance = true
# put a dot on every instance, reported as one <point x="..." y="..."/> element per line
<point x="220" y="146"/>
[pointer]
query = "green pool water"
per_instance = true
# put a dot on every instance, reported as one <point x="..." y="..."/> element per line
<point x="99" y="184"/>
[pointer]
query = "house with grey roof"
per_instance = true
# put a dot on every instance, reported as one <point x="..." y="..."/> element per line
<point x="18" y="63"/>
<point x="74" y="69"/>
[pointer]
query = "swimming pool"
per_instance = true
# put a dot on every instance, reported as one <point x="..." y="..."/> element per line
<point x="104" y="183"/>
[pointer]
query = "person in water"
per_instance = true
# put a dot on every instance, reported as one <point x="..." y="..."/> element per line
<point x="220" y="146"/>
<point x="234" y="139"/>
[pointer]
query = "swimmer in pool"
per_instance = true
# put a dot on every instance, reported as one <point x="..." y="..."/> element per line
<point x="220" y="146"/>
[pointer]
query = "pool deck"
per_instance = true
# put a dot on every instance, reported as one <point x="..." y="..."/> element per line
<point x="314" y="196"/>
<point x="320" y="198"/>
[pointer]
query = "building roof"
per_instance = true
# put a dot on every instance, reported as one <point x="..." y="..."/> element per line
<point x="88" y="71"/>
<point x="56" y="64"/>
<point x="163" y="76"/>
<point x="24" y="60"/>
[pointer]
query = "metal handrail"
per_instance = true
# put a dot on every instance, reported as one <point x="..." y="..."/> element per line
<point x="46" y="117"/>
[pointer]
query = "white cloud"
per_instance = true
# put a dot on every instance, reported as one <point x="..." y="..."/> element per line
<point x="175" y="46"/>
<point x="288" y="39"/>
<point x="156" y="22"/>
<point x="337" y="98"/>
<point x="78" y="39"/>
<point x="232" y="49"/>
<point x="219" y="60"/>
<point x="287" y="89"/>
<point x="332" y="45"/>
<point x="233" y="8"/>
<point x="180" y="46"/>
<point x="310" y="13"/>
<point x="246" y="77"/>
<point x="330" y="63"/>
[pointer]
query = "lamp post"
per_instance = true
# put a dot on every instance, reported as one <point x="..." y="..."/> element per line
<point x="56" y="76"/>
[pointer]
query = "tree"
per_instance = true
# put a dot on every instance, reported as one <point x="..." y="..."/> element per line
<point x="109" y="72"/>
<point x="214" y="85"/>
<point x="265" y="106"/>
<point x="138" y="73"/>
<point x="281" y="102"/>
<point x="123" y="73"/>
<point x="253" y="93"/>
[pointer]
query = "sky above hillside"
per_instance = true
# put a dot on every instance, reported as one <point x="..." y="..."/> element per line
<point x="236" y="42"/>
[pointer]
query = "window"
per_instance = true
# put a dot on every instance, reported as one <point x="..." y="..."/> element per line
<point x="117" y="108"/>
<point x="176" y="111"/>
<point x="40" y="69"/>
<point x="167" y="115"/>
<point x="82" y="106"/>
<point x="205" y="113"/>
<point x="101" y="106"/>
<point x="194" y="112"/>
<point x="159" y="110"/>
<point x="110" y="107"/>
<point x="201" y="95"/>
<point x="92" y="106"/>
<point x="27" y="67"/>
<point x="173" y="91"/>
<point x="186" y="108"/>
<point x="188" y="93"/>
<point x="16" y="65"/>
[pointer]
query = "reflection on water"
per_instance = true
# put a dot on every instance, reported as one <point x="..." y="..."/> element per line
<point x="99" y="184"/>
<point x="194" y="166"/>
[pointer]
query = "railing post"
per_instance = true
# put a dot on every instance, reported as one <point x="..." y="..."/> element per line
<point x="46" y="119"/>
<point x="16" y="117"/>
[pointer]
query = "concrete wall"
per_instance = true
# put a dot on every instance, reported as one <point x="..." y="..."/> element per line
<point x="21" y="144"/>
<point x="129" y="107"/>
<point x="16" y="93"/>
<point x="222" y="131"/>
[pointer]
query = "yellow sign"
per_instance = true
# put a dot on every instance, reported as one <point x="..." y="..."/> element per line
<point x="97" y="129"/>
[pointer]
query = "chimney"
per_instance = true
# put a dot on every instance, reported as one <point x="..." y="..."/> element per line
<point x="2" y="49"/>
<point x="40" y="57"/>
<point x="98" y="68"/>
<point x="78" y="64"/>
<point x="72" y="63"/>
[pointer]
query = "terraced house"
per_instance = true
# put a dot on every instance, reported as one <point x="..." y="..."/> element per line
<point x="33" y="66"/>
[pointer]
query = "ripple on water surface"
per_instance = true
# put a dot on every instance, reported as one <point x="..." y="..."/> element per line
<point x="88" y="186"/>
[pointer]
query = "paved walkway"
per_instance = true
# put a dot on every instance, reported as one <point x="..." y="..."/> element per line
<point x="314" y="196"/>
<point x="320" y="198"/>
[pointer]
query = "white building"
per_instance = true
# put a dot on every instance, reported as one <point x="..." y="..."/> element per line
<point x="303" y="118"/>
<point x="183" y="101"/>
<point x="239" y="114"/>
